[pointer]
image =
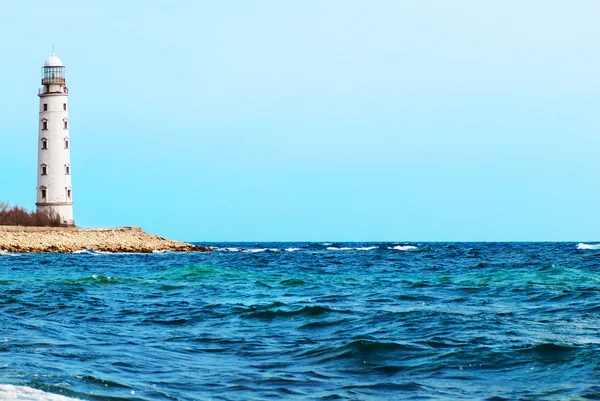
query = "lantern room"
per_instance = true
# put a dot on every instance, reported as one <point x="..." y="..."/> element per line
<point x="53" y="71"/>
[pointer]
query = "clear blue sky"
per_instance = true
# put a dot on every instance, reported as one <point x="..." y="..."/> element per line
<point x="316" y="119"/>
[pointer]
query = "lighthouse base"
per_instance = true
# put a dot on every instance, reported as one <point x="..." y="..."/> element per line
<point x="64" y="210"/>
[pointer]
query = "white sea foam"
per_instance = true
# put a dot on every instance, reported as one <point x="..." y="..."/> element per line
<point x="92" y="252"/>
<point x="95" y="277"/>
<point x="345" y="248"/>
<point x="588" y="246"/>
<point x="82" y="251"/>
<point x="20" y="393"/>
<point x="247" y="250"/>
<point x="255" y="250"/>
<point x="258" y="250"/>
<point x="292" y="249"/>
<point x="403" y="247"/>
<point x="98" y="253"/>
<point x="6" y="253"/>
<point x="229" y="249"/>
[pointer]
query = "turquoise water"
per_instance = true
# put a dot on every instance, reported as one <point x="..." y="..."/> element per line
<point x="300" y="321"/>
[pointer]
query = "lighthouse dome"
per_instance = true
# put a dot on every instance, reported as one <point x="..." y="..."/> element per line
<point x="53" y="61"/>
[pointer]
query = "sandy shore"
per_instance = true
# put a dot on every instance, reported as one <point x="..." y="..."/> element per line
<point x="68" y="240"/>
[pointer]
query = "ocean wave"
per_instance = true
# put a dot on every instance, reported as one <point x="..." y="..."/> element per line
<point x="345" y="248"/>
<point x="6" y="253"/>
<point x="259" y="250"/>
<point x="311" y="247"/>
<point x="103" y="278"/>
<point x="550" y="349"/>
<point x="277" y="310"/>
<point x="248" y="250"/>
<point x="588" y="246"/>
<point x="292" y="281"/>
<point x="361" y="349"/>
<point x="231" y="249"/>
<point x="9" y="392"/>
<point x="403" y="248"/>
<point x="376" y="346"/>
<point x="99" y="253"/>
<point x="191" y="273"/>
<point x="93" y="252"/>
<point x="99" y="279"/>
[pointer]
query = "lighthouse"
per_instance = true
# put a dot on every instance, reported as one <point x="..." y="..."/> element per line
<point x="54" y="192"/>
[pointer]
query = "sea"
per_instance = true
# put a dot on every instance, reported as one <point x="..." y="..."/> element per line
<point x="304" y="321"/>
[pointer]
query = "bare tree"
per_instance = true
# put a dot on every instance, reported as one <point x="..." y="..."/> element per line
<point x="18" y="216"/>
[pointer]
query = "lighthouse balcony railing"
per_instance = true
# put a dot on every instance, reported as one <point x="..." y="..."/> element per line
<point x="45" y="89"/>
<point x="53" y="81"/>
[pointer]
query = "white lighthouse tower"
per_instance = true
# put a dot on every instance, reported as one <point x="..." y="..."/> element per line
<point x="54" y="191"/>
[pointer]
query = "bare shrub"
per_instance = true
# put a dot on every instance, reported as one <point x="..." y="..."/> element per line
<point x="19" y="216"/>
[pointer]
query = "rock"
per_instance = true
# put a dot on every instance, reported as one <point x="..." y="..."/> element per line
<point x="68" y="240"/>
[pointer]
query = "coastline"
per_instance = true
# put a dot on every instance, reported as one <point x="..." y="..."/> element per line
<point x="20" y="239"/>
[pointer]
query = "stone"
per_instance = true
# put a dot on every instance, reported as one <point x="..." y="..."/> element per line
<point x="70" y="239"/>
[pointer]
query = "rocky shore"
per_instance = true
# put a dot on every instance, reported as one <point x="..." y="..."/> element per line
<point x="69" y="240"/>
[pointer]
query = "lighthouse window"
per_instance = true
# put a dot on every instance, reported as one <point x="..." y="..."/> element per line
<point x="44" y="169"/>
<point x="44" y="144"/>
<point x="64" y="106"/>
<point x="43" y="193"/>
<point x="66" y="125"/>
<point x="44" y="125"/>
<point x="67" y="170"/>
<point x="66" y="143"/>
<point x="69" y="193"/>
<point x="45" y="106"/>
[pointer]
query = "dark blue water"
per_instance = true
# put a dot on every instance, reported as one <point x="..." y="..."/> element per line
<point x="306" y="322"/>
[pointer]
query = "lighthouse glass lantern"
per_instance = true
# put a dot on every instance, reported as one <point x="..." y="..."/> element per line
<point x="54" y="75"/>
